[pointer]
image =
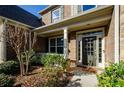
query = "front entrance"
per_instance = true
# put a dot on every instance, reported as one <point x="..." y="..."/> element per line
<point x="90" y="48"/>
<point x="89" y="51"/>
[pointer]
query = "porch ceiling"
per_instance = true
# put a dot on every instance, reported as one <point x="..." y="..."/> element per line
<point x="89" y="19"/>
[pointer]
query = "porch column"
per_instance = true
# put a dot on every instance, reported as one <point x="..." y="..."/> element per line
<point x="117" y="24"/>
<point x="65" y="43"/>
<point x="2" y="42"/>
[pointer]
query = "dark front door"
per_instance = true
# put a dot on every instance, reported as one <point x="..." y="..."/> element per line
<point x="89" y="51"/>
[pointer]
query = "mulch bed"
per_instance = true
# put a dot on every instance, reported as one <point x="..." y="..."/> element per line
<point x="30" y="80"/>
<point x="36" y="79"/>
<point x="84" y="69"/>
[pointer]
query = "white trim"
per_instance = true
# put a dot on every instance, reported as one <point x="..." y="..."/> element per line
<point x="102" y="65"/>
<point x="116" y="33"/>
<point x="72" y="10"/>
<point x="89" y="30"/>
<point x="105" y="18"/>
<point x="65" y="43"/>
<point x="73" y="17"/>
<point x="45" y="9"/>
<point x="18" y="22"/>
<point x="17" y="25"/>
<point x="103" y="50"/>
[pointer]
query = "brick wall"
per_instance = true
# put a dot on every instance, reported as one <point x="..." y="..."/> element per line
<point x="109" y="41"/>
<point x="46" y="18"/>
<point x="67" y="11"/>
<point x="41" y="45"/>
<point x="72" y="46"/>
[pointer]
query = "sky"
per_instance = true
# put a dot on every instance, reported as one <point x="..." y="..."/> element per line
<point x="34" y="9"/>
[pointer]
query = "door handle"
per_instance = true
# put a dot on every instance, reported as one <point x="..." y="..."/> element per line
<point x="103" y="51"/>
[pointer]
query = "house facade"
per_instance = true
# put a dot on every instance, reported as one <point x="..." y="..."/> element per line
<point x="87" y="35"/>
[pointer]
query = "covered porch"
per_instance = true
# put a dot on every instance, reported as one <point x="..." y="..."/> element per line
<point x="67" y="32"/>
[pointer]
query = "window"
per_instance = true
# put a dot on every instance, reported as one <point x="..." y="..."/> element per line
<point x="52" y="45"/>
<point x="57" y="14"/>
<point x="85" y="7"/>
<point x="56" y="45"/>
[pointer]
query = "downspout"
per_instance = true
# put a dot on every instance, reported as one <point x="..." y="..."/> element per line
<point x="117" y="34"/>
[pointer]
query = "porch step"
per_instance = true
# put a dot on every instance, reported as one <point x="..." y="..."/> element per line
<point x="87" y="69"/>
<point x="100" y="70"/>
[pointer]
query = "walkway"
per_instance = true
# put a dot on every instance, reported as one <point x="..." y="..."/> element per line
<point x="83" y="79"/>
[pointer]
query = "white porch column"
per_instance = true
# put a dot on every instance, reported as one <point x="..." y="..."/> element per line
<point x="65" y="43"/>
<point x="117" y="23"/>
<point x="2" y="42"/>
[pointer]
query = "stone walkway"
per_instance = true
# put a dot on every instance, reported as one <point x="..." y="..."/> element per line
<point x="83" y="79"/>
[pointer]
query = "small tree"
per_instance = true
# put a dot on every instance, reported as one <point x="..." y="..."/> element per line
<point x="22" y="43"/>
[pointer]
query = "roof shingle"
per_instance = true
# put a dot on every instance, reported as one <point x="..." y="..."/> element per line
<point x="18" y="14"/>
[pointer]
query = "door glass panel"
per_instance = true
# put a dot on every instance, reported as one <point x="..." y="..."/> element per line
<point x="79" y="50"/>
<point x="100" y="50"/>
<point x="88" y="47"/>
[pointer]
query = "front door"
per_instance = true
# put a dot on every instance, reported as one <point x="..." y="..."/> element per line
<point x="89" y="51"/>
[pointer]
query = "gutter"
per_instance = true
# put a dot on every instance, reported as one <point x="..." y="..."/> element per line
<point x="17" y="22"/>
<point x="86" y="12"/>
<point x="45" y="9"/>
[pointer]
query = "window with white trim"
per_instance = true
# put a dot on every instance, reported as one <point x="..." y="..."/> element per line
<point x="56" y="45"/>
<point x="85" y="7"/>
<point x="57" y="14"/>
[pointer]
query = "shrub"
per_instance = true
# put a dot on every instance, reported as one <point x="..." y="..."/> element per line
<point x="54" y="77"/>
<point x="32" y="81"/>
<point x="113" y="76"/>
<point x="53" y="60"/>
<point x="36" y="60"/>
<point x="6" y="81"/>
<point x="48" y="77"/>
<point x="9" y="67"/>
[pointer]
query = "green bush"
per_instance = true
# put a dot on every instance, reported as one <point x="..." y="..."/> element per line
<point x="113" y="76"/>
<point x="36" y="60"/>
<point x="6" y="81"/>
<point x="53" y="60"/>
<point x="9" y="67"/>
<point x="54" y="77"/>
